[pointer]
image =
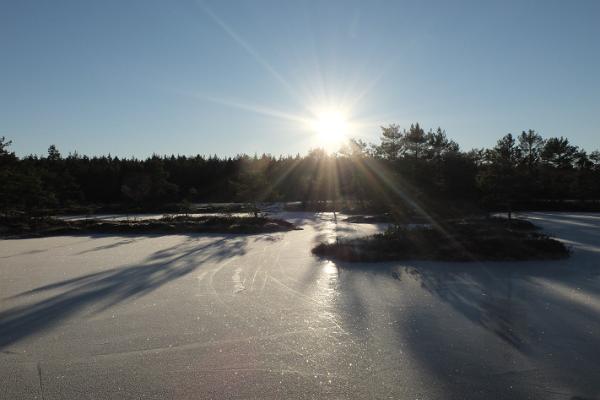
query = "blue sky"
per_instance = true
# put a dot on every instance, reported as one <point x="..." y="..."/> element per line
<point x="226" y="77"/>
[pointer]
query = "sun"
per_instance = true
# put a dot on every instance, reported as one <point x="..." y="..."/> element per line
<point x="332" y="129"/>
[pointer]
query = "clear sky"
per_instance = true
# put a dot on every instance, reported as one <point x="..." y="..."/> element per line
<point x="226" y="77"/>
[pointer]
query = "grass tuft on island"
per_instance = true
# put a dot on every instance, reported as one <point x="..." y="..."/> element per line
<point x="485" y="239"/>
<point x="181" y="224"/>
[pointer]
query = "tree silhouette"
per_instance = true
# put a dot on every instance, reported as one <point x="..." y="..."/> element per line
<point x="392" y="142"/>
<point x="405" y="170"/>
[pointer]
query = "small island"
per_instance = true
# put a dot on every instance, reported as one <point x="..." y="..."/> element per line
<point x="179" y="224"/>
<point x="476" y="239"/>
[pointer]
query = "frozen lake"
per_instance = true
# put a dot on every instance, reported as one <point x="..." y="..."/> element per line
<point x="257" y="316"/>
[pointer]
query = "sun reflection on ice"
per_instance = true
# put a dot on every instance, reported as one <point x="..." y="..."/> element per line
<point x="330" y="268"/>
<point x="325" y="290"/>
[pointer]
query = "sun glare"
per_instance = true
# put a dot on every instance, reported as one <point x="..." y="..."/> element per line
<point x="331" y="128"/>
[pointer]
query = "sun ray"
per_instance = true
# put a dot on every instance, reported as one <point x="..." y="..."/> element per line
<point x="257" y="109"/>
<point x="383" y="176"/>
<point x="250" y="50"/>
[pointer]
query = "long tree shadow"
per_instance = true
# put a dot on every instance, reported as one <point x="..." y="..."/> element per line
<point x="45" y="249"/>
<point x="122" y="242"/>
<point x="547" y="313"/>
<point x="102" y="290"/>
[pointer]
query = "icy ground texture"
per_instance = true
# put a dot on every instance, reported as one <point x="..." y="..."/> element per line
<point x="257" y="316"/>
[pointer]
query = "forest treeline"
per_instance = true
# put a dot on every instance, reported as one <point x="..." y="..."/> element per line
<point x="408" y="168"/>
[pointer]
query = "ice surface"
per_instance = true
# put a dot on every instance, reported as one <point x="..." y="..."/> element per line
<point x="257" y="316"/>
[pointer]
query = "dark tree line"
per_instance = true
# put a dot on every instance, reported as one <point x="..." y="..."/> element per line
<point x="408" y="168"/>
